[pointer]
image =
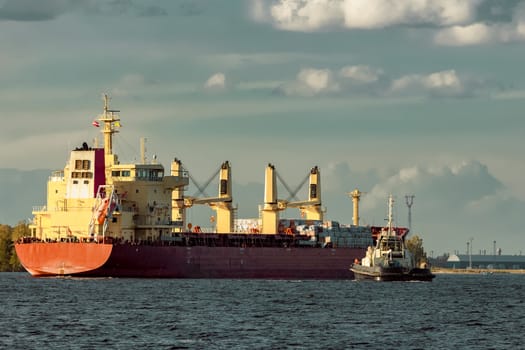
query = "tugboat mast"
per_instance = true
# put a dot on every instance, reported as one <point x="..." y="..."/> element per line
<point x="390" y="216"/>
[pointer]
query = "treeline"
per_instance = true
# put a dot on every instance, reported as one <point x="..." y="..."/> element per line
<point x="415" y="246"/>
<point x="8" y="236"/>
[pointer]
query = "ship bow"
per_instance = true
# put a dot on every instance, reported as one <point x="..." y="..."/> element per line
<point x="62" y="258"/>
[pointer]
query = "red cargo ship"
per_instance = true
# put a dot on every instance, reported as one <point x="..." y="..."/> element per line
<point x="106" y="218"/>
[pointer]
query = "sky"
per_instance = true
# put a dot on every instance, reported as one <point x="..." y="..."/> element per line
<point x="413" y="97"/>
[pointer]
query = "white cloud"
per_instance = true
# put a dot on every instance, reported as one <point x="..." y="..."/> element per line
<point x="303" y="15"/>
<point x="409" y="174"/>
<point x="361" y="73"/>
<point x="459" y="19"/>
<point x="363" y="80"/>
<point x="459" y="183"/>
<point x="477" y="33"/>
<point x="216" y="82"/>
<point x="444" y="79"/>
<point x="385" y="13"/>
<point x="311" y="15"/>
<point x="509" y="95"/>
<point x="316" y="79"/>
<point x="443" y="83"/>
<point x="482" y="33"/>
<point x="311" y="82"/>
<point x="453" y="201"/>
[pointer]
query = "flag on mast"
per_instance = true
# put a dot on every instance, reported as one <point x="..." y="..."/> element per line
<point x="95" y="123"/>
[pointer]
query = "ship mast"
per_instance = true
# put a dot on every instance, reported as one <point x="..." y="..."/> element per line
<point x="111" y="121"/>
<point x="390" y="220"/>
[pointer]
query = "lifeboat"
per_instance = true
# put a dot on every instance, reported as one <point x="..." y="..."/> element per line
<point x="101" y="211"/>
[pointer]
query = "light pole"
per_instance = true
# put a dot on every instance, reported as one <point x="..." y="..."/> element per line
<point x="470" y="254"/>
<point x="409" y="199"/>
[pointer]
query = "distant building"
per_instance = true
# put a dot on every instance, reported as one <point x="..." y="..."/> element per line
<point x="462" y="261"/>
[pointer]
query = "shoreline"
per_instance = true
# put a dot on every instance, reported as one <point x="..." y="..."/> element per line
<point x="445" y="270"/>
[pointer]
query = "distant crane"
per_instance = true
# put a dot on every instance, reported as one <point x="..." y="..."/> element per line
<point x="409" y="199"/>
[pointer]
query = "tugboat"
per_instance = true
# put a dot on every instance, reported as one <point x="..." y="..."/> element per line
<point x="390" y="260"/>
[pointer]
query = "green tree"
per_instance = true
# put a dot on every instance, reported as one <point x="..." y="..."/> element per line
<point x="5" y="247"/>
<point x="19" y="231"/>
<point x="415" y="246"/>
<point x="8" y="236"/>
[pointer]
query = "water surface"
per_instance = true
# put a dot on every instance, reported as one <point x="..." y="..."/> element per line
<point x="452" y="312"/>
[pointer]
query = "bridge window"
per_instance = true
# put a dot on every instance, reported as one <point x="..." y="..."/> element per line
<point x="148" y="174"/>
<point x="155" y="175"/>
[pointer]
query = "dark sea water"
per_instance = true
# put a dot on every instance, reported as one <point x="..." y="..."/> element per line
<point x="452" y="312"/>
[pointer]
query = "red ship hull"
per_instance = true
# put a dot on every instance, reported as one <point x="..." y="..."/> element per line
<point x="154" y="261"/>
<point x="62" y="258"/>
<point x="228" y="262"/>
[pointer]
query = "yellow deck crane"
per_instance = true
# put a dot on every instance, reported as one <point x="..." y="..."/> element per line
<point x="310" y="208"/>
<point x="222" y="204"/>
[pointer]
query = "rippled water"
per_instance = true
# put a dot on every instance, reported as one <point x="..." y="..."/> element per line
<point x="453" y="312"/>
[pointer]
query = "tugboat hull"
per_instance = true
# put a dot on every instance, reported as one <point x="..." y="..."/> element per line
<point x="418" y="274"/>
<point x="380" y="273"/>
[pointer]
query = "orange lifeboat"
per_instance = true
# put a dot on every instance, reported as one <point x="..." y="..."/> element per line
<point x="101" y="211"/>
